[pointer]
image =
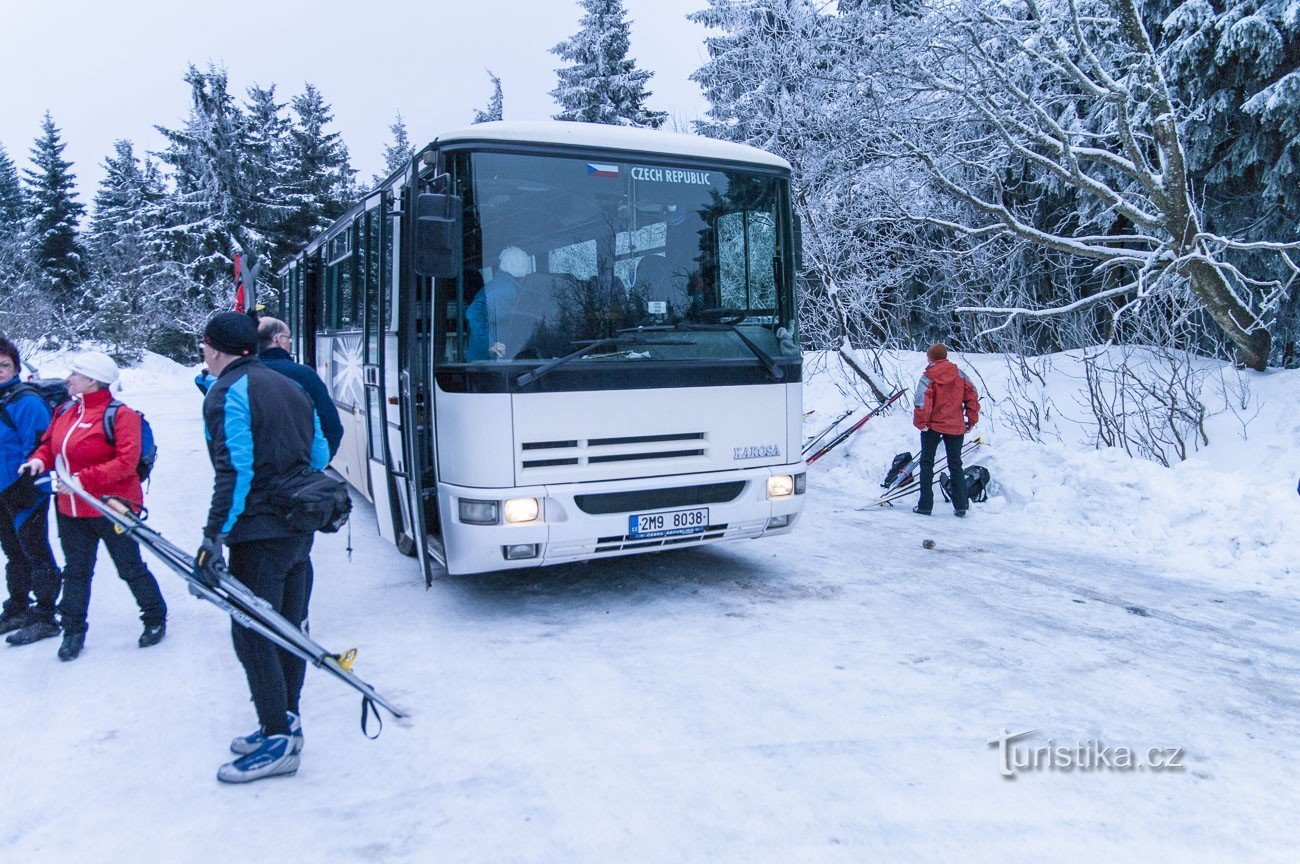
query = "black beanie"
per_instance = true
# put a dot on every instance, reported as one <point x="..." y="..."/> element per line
<point x="232" y="333"/>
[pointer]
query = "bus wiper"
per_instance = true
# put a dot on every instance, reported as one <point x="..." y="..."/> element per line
<point x="631" y="338"/>
<point x="773" y="370"/>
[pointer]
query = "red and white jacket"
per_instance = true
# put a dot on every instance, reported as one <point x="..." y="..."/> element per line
<point x="77" y="434"/>
<point x="946" y="401"/>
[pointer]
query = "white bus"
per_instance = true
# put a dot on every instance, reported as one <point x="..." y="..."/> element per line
<point x="629" y="379"/>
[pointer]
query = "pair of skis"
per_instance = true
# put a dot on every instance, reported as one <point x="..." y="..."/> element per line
<point x="236" y="600"/>
<point x="843" y="435"/>
<point x="908" y="480"/>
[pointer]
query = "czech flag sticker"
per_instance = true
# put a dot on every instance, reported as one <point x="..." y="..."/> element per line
<point x="595" y="170"/>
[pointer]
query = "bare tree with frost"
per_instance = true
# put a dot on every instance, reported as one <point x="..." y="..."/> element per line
<point x="1070" y="95"/>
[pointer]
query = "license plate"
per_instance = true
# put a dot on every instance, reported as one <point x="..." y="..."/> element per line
<point x="666" y="524"/>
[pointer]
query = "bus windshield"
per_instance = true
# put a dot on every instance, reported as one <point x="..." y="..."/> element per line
<point x="561" y="252"/>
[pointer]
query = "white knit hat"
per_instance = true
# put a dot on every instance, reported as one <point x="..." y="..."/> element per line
<point x="96" y="365"/>
<point x="515" y="261"/>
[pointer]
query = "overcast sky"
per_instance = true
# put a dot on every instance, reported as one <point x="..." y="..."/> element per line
<point x="110" y="69"/>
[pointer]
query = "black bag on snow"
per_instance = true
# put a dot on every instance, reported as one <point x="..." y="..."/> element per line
<point x="896" y="467"/>
<point x="977" y="484"/>
<point x="313" y="501"/>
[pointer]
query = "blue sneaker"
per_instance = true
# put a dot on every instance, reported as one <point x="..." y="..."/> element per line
<point x="275" y="757"/>
<point x="250" y="742"/>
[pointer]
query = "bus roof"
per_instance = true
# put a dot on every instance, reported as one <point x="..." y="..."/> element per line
<point x="599" y="135"/>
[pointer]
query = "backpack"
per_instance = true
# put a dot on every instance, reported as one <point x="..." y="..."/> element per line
<point x="899" y="464"/>
<point x="53" y="392"/>
<point x="312" y="501"/>
<point x="977" y="484"/>
<point x="148" y="448"/>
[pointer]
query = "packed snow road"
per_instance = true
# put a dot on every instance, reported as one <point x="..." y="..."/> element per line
<point x="825" y="696"/>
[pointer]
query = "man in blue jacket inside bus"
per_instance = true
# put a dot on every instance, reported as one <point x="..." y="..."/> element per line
<point x="488" y="311"/>
<point x="273" y="343"/>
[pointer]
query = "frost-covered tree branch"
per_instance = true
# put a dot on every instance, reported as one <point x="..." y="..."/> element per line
<point x="1070" y="94"/>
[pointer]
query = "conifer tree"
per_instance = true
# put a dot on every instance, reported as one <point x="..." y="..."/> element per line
<point x="13" y="257"/>
<point x="398" y="152"/>
<point x="602" y="84"/>
<point x="127" y="287"/>
<point x="495" y="106"/>
<point x="212" y="211"/>
<point x="213" y="195"/>
<point x="11" y="197"/>
<point x="320" y="174"/>
<point x="266" y="166"/>
<point x="54" y="211"/>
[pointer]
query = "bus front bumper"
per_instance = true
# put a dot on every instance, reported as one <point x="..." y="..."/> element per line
<point x="566" y="528"/>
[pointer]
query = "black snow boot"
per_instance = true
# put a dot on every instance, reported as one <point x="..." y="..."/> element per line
<point x="33" y="632"/>
<point x="11" y="621"/>
<point x="920" y="511"/>
<point x="153" y="634"/>
<point x="72" y="645"/>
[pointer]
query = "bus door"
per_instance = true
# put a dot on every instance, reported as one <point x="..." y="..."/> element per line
<point x="376" y="236"/>
<point x="418" y="418"/>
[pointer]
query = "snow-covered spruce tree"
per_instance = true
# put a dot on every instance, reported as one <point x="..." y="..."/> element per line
<point x="212" y="211"/>
<point x="320" y="174"/>
<point x="398" y="151"/>
<point x="1075" y="93"/>
<point x="1236" y="65"/>
<point x="26" y="312"/>
<point x="120" y="305"/>
<point x="601" y="84"/>
<point x="11" y="197"/>
<point x="496" y="104"/>
<point x="266" y="166"/>
<point x="54" y="245"/>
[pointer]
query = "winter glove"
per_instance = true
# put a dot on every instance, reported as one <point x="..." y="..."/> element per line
<point x="208" y="564"/>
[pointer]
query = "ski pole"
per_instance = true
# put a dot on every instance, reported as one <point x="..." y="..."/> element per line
<point x="234" y="598"/>
<point x="909" y="484"/>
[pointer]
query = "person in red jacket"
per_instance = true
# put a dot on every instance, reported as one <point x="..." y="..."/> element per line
<point x="947" y="406"/>
<point x="77" y="435"/>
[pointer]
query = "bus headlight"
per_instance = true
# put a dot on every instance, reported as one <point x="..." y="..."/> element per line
<point x="522" y="510"/>
<point x="479" y="512"/>
<point x="780" y="486"/>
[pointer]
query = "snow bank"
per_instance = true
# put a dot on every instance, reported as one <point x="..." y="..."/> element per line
<point x="1226" y="513"/>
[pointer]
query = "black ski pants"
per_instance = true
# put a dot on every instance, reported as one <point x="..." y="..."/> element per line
<point x="929" y="447"/>
<point x="29" y="566"/>
<point x="275" y="570"/>
<point x="80" y="539"/>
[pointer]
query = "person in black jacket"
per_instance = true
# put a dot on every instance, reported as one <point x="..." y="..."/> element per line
<point x="261" y="430"/>
<point x="273" y="342"/>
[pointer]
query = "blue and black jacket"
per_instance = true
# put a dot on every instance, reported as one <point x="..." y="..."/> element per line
<point x="29" y="417"/>
<point x="261" y="429"/>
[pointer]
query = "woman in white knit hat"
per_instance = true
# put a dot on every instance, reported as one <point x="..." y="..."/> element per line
<point x="80" y="434"/>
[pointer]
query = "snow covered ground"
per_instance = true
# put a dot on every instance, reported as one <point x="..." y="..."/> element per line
<point x="825" y="696"/>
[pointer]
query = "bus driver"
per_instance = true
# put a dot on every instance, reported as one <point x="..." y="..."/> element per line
<point x="489" y="309"/>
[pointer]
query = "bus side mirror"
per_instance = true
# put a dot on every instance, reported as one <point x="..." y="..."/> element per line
<point x="798" y="244"/>
<point x="437" y="234"/>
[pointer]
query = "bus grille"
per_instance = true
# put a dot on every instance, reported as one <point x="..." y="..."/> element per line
<point x="659" y="499"/>
<point x="598" y="451"/>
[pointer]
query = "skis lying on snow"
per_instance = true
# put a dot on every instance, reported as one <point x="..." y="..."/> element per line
<point x="236" y="600"/>
<point x="846" y="433"/>
<point x="909" y="479"/>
